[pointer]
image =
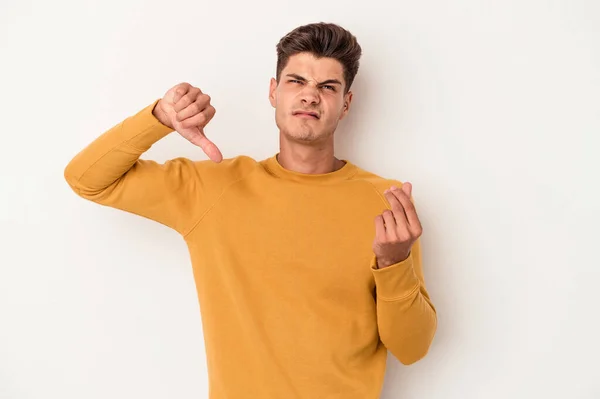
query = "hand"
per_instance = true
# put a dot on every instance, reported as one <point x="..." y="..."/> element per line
<point x="187" y="110"/>
<point x="396" y="230"/>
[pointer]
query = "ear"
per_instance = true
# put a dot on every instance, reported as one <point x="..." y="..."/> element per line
<point x="346" y="106"/>
<point x="273" y="92"/>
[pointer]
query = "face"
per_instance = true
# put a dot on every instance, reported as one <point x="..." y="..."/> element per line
<point x="309" y="99"/>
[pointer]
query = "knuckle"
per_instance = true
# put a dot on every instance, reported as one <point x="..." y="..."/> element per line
<point x="203" y="100"/>
<point x="204" y="97"/>
<point x="194" y="91"/>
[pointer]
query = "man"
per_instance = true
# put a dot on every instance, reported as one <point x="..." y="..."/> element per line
<point x="307" y="267"/>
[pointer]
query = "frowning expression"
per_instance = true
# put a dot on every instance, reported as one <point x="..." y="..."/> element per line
<point x="309" y="99"/>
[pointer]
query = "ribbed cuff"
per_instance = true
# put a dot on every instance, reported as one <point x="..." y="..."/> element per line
<point x="395" y="282"/>
<point x="147" y="127"/>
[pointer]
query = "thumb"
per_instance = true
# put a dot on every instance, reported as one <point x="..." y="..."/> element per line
<point x="207" y="146"/>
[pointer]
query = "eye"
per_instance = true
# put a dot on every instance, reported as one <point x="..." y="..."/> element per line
<point x="295" y="81"/>
<point x="329" y="87"/>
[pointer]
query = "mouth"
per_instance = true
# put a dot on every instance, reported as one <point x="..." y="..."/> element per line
<point x="306" y="114"/>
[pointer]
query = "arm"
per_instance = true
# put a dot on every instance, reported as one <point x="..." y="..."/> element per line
<point x="109" y="172"/>
<point x="406" y="317"/>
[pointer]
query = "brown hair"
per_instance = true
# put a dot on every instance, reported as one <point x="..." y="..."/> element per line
<point x="322" y="40"/>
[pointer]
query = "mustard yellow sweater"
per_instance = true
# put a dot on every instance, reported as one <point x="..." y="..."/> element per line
<point x="292" y="303"/>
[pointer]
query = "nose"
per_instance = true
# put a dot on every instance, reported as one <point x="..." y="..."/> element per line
<point x="310" y="94"/>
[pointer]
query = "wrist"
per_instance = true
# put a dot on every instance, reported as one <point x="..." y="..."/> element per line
<point x="160" y="115"/>
<point x="382" y="263"/>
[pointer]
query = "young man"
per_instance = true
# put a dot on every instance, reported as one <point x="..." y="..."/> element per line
<point x="307" y="267"/>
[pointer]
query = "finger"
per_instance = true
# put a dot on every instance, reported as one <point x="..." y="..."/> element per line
<point x="409" y="210"/>
<point x="390" y="224"/>
<point x="379" y="228"/>
<point x="180" y="91"/>
<point x="407" y="188"/>
<point x="397" y="207"/>
<point x="199" y="104"/>
<point x="209" y="148"/>
<point x="199" y="120"/>
<point x="188" y="98"/>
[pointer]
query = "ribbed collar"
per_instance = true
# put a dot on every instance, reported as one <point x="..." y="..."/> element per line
<point x="344" y="173"/>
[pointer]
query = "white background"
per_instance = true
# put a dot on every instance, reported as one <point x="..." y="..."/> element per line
<point x="491" y="109"/>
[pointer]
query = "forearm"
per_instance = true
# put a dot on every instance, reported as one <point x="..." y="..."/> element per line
<point x="407" y="324"/>
<point x="406" y="316"/>
<point x="104" y="161"/>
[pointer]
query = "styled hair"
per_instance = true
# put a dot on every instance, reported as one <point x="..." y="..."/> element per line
<point x="321" y="40"/>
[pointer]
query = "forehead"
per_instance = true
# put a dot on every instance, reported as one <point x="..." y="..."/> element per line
<point x="310" y="67"/>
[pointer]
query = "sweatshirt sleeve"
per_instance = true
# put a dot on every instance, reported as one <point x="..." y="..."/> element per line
<point x="406" y="316"/>
<point x="109" y="172"/>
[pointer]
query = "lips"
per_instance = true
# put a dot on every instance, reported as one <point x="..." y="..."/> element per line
<point x="307" y="113"/>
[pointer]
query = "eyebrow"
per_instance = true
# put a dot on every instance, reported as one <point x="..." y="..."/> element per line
<point x="328" y="81"/>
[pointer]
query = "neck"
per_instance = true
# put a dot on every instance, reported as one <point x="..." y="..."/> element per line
<point x="309" y="159"/>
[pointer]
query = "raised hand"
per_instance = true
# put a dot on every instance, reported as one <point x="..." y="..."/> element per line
<point x="187" y="110"/>
<point x="396" y="230"/>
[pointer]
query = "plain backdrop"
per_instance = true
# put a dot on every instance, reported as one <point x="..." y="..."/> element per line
<point x="491" y="109"/>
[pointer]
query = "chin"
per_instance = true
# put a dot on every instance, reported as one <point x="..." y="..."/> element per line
<point x="305" y="136"/>
<point x="302" y="136"/>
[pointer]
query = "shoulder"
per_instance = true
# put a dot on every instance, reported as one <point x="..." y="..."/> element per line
<point x="236" y="166"/>
<point x="217" y="174"/>
<point x="377" y="182"/>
